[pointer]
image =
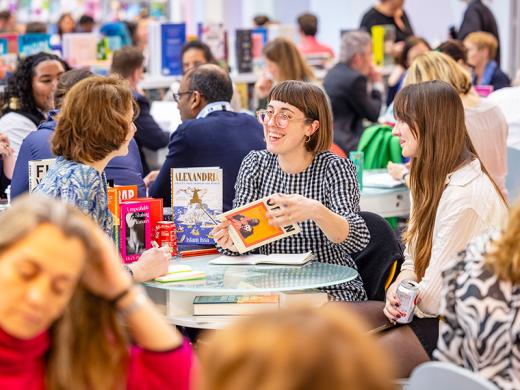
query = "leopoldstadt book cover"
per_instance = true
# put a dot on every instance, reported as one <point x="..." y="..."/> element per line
<point x="250" y="229"/>
<point x="196" y="201"/>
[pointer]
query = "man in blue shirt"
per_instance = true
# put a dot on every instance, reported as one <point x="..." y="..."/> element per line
<point x="211" y="134"/>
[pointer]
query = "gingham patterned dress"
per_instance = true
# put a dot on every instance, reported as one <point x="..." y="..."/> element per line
<point x="329" y="179"/>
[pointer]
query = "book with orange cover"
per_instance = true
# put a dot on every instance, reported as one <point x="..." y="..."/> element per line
<point x="250" y="229"/>
<point x="118" y="194"/>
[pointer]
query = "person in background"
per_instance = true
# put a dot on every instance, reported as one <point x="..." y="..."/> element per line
<point x="6" y="156"/>
<point x="65" y="24"/>
<point x="389" y="12"/>
<point x="310" y="185"/>
<point x="86" y="24"/>
<point x="123" y="170"/>
<point x="210" y="135"/>
<point x="487" y="127"/>
<point x="480" y="328"/>
<point x="355" y="88"/>
<point x="413" y="46"/>
<point x="507" y="100"/>
<point x="95" y="124"/>
<point x="7" y="22"/>
<point x="193" y="54"/>
<point x="68" y="310"/>
<point x="311" y="349"/>
<point x="29" y="96"/>
<point x="478" y="17"/>
<point x="261" y="21"/>
<point x="308" y="25"/>
<point x="482" y="52"/>
<point x="283" y="62"/>
<point x="453" y="200"/>
<point x="456" y="50"/>
<point x="128" y="63"/>
<point x="36" y="28"/>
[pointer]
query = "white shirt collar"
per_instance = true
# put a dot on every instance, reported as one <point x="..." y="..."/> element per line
<point x="215" y="106"/>
<point x="465" y="174"/>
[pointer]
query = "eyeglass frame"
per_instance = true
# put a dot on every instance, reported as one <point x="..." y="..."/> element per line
<point x="177" y="95"/>
<point x="264" y="122"/>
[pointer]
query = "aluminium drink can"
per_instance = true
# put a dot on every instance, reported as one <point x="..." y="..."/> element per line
<point x="165" y="235"/>
<point x="407" y="293"/>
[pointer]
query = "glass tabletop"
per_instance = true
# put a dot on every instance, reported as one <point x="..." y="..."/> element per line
<point x="251" y="279"/>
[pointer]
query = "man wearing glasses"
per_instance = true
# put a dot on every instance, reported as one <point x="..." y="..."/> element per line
<point x="211" y="134"/>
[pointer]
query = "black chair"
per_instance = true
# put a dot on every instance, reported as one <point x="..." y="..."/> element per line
<point x="381" y="260"/>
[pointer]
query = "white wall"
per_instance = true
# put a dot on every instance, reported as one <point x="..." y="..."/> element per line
<point x="430" y="18"/>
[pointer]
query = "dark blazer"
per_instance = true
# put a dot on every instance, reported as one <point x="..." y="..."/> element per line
<point x="124" y="170"/>
<point x="351" y="103"/>
<point x="222" y="139"/>
<point x="149" y="134"/>
<point x="478" y="17"/>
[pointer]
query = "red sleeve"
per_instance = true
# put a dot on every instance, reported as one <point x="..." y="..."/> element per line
<point x="160" y="370"/>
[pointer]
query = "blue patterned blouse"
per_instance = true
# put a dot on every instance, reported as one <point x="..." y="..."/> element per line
<point x="80" y="185"/>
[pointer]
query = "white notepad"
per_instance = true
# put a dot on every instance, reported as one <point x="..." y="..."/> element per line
<point x="381" y="180"/>
<point x="273" y="258"/>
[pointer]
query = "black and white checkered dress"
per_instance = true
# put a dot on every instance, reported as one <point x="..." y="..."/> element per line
<point x="330" y="180"/>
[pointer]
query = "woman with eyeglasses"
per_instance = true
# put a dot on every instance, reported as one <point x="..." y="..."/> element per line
<point x="313" y="187"/>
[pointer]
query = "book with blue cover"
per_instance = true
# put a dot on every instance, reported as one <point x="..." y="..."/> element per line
<point x="29" y="44"/>
<point x="173" y="37"/>
<point x="196" y="201"/>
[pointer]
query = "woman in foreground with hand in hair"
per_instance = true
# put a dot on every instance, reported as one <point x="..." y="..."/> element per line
<point x="68" y="310"/>
<point x="453" y="200"/>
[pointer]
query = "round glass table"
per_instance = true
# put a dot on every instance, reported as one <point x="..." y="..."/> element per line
<point x="176" y="299"/>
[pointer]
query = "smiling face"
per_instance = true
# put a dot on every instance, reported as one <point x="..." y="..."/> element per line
<point x="291" y="138"/>
<point x="38" y="275"/>
<point x="44" y="83"/>
<point x="407" y="139"/>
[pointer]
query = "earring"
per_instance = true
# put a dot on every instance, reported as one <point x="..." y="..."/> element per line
<point x="307" y="139"/>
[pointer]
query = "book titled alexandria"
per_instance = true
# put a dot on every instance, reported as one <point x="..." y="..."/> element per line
<point x="196" y="201"/>
<point x="250" y="229"/>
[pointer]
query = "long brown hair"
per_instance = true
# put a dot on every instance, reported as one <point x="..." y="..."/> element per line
<point x="433" y="110"/>
<point x="291" y="64"/>
<point x="89" y="348"/>
<point x="301" y="349"/>
<point x="504" y="258"/>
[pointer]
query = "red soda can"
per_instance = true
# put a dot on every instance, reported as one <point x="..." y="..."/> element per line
<point x="165" y="234"/>
<point x="407" y="292"/>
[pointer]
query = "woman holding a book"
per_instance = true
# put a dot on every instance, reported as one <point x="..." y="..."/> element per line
<point x="312" y="187"/>
<point x="95" y="124"/>
<point x="68" y="310"/>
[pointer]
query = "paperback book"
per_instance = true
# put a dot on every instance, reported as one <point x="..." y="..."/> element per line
<point x="135" y="230"/>
<point x="273" y="258"/>
<point x="234" y="304"/>
<point x="180" y="273"/>
<point x="244" y="50"/>
<point x="196" y="202"/>
<point x="250" y="229"/>
<point x="37" y="171"/>
<point x="29" y="44"/>
<point x="117" y="195"/>
<point x="383" y="38"/>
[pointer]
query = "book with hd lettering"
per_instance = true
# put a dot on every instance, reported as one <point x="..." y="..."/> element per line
<point x="250" y="229"/>
<point x="234" y="304"/>
<point x="196" y="201"/>
<point x="37" y="171"/>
